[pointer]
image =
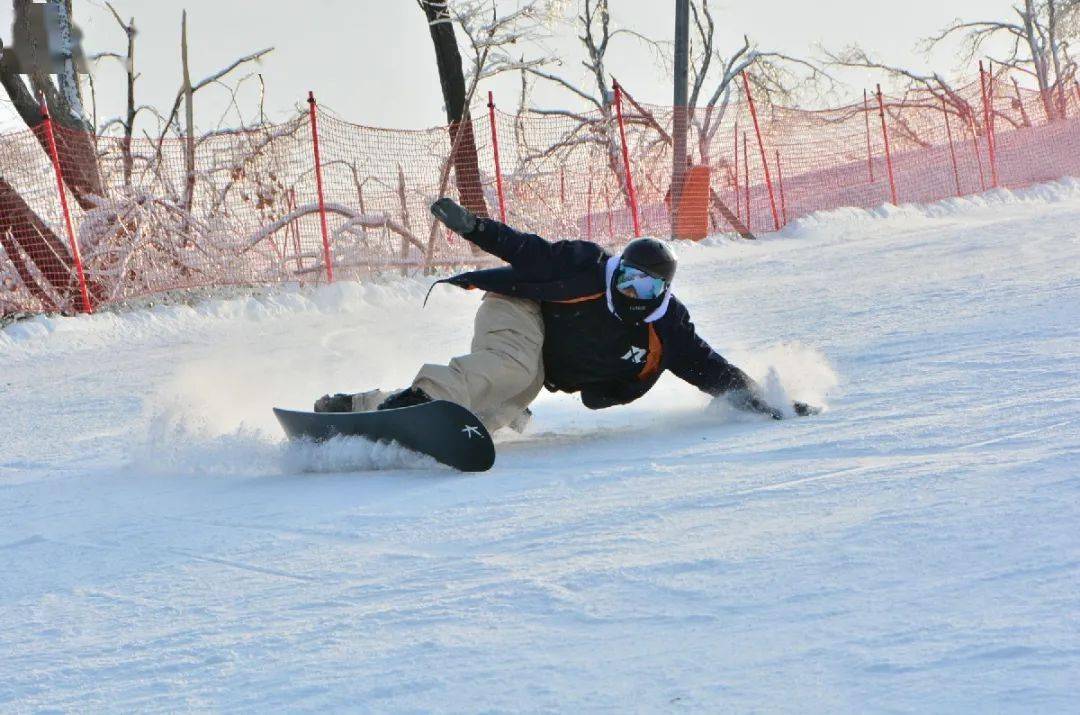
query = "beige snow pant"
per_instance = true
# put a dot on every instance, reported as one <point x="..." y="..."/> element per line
<point x="500" y="377"/>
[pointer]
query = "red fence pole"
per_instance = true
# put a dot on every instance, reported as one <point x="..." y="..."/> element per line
<point x="888" y="150"/>
<point x="952" y="149"/>
<point x="55" y="156"/>
<point x="626" y="161"/>
<point x="495" y="149"/>
<point x="746" y="176"/>
<point x="327" y="258"/>
<point x="738" y="201"/>
<point x="761" y="147"/>
<point x="988" y="128"/>
<point x="780" y="180"/>
<point x="869" y="151"/>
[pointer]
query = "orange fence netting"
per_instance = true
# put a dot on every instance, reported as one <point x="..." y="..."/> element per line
<point x="243" y="207"/>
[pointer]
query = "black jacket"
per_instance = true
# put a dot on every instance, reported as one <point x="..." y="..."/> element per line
<point x="571" y="271"/>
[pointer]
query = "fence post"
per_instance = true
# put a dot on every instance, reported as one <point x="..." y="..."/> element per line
<point x="746" y="176"/>
<point x="76" y="256"/>
<point x="626" y="161"/>
<point x="869" y="151"/>
<point x="495" y="149"/>
<point x="780" y="180"/>
<point x="952" y="149"/>
<point x="888" y="150"/>
<point x="761" y="147"/>
<point x="327" y="258"/>
<point x="987" y="127"/>
<point x="738" y="200"/>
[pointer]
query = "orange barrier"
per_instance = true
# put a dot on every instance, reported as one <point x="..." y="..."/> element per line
<point x="692" y="218"/>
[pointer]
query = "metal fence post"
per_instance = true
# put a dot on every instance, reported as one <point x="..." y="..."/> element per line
<point x="495" y="150"/>
<point x="626" y="162"/>
<point x="761" y="148"/>
<point x="888" y="150"/>
<point x="75" y="254"/>
<point x="327" y="258"/>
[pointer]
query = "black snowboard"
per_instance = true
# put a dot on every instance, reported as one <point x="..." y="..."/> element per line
<point x="443" y="430"/>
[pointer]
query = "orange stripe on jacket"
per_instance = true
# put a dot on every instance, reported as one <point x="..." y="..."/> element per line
<point x="656" y="351"/>
<point x="582" y="299"/>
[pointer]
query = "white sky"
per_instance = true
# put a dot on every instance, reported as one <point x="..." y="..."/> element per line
<point x="372" y="62"/>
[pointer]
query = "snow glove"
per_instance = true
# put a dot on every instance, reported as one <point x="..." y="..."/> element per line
<point x="456" y="218"/>
<point x="750" y="402"/>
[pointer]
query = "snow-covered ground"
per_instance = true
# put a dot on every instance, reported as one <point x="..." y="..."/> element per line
<point x="915" y="548"/>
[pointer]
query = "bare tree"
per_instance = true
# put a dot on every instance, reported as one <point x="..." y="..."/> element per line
<point x="489" y="36"/>
<point x="926" y="90"/>
<point x="1038" y="45"/>
<point x="128" y="61"/>
<point x="771" y="74"/>
<point x="595" y="126"/>
<point x="452" y="80"/>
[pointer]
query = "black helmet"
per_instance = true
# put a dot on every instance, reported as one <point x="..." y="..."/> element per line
<point x="651" y="256"/>
<point x="642" y="279"/>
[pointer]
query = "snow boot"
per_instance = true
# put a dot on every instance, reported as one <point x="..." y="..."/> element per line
<point x="405" y="398"/>
<point x="341" y="402"/>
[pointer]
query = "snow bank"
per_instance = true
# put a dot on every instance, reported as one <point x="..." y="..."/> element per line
<point x="119" y="325"/>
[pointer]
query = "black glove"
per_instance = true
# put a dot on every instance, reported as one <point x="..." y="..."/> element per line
<point x="459" y="220"/>
<point x="750" y="402"/>
<point x="804" y="410"/>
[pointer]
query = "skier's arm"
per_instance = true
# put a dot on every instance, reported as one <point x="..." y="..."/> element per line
<point x="601" y="395"/>
<point x="695" y="362"/>
<point x="531" y="256"/>
<point x="701" y="366"/>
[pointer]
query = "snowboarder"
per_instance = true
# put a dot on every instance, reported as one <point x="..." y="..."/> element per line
<point x="571" y="317"/>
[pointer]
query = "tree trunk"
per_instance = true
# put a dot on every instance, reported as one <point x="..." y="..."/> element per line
<point x="1038" y="59"/>
<point x="448" y="58"/>
<point x="75" y="140"/>
<point x="23" y="232"/>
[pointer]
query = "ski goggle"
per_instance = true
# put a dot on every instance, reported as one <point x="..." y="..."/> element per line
<point x="636" y="283"/>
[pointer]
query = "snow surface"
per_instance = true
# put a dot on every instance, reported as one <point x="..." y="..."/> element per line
<point x="915" y="548"/>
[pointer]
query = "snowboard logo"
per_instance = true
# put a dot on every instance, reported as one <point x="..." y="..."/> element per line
<point x="471" y="430"/>
<point x="635" y="355"/>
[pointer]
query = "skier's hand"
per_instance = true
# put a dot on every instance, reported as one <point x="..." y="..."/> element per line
<point x="459" y="220"/>
<point x="804" y="410"/>
<point x="749" y="402"/>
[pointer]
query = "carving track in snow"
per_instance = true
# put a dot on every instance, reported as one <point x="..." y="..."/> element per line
<point x="914" y="548"/>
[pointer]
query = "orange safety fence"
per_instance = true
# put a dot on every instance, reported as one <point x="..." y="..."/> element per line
<point x="245" y="208"/>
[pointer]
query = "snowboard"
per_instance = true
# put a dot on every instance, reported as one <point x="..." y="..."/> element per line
<point x="443" y="430"/>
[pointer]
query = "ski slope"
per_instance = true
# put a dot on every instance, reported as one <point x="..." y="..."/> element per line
<point x="916" y="548"/>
